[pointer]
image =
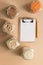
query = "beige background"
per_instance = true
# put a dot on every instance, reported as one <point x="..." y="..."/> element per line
<point x="8" y="57"/>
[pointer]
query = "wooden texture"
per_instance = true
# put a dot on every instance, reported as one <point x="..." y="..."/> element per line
<point x="8" y="57"/>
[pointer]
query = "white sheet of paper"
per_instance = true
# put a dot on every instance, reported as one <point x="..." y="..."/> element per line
<point x="27" y="30"/>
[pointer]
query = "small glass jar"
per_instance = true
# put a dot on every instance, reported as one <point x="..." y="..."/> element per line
<point x="8" y="28"/>
<point x="12" y="43"/>
<point x="11" y="11"/>
<point x="28" y="53"/>
<point x="34" y="6"/>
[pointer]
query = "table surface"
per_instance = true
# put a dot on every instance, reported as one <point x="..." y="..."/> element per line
<point x="8" y="57"/>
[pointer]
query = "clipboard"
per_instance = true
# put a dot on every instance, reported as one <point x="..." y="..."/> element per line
<point x="28" y="30"/>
